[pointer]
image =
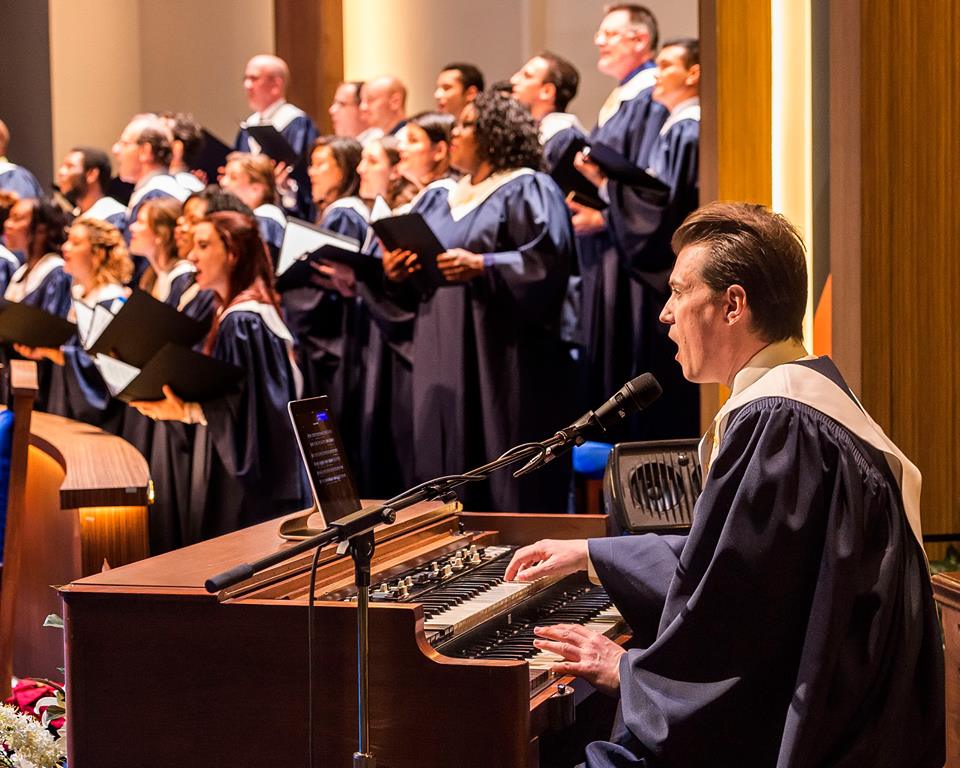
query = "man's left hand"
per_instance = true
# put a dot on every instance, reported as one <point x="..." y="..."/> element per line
<point x="587" y="654"/>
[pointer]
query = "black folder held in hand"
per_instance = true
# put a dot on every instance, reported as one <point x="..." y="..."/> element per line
<point x="571" y="181"/>
<point x="409" y="232"/>
<point x="620" y="169"/>
<point x="31" y="326"/>
<point x="305" y="244"/>
<point x="273" y="144"/>
<point x="193" y="376"/>
<point x="142" y="327"/>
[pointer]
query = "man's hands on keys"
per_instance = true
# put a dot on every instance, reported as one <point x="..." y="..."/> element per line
<point x="548" y="557"/>
<point x="586" y="654"/>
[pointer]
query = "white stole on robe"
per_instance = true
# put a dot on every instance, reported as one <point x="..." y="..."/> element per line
<point x="629" y="90"/>
<point x="467" y="196"/>
<point x="813" y="389"/>
<point x="23" y="283"/>
<point x="104" y="208"/>
<point x="271" y="318"/>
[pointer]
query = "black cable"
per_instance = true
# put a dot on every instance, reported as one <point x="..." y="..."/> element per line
<point x="310" y="639"/>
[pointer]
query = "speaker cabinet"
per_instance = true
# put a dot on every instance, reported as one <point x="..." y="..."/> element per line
<point x="652" y="487"/>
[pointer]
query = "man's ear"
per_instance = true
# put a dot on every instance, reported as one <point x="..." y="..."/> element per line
<point x="735" y="304"/>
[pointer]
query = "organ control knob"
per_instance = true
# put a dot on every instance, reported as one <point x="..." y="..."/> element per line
<point x="408" y="581"/>
<point x="447" y="571"/>
<point x="458" y="563"/>
<point x="403" y="590"/>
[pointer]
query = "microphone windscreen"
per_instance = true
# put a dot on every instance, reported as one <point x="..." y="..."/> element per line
<point x="644" y="390"/>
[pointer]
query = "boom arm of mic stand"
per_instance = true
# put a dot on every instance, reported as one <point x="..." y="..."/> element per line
<point x="363" y="520"/>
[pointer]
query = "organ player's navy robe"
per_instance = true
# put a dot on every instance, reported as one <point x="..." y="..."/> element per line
<point x="795" y="625"/>
<point x="642" y="231"/>
<point x="246" y="464"/>
<point x="490" y="370"/>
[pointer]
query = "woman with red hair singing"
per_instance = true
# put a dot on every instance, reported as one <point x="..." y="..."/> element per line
<point x="245" y="464"/>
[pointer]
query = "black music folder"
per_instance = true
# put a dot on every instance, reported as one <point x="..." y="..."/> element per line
<point x="273" y="144"/>
<point x="213" y="156"/>
<point x="141" y="327"/>
<point x="410" y="232"/>
<point x="571" y="181"/>
<point x="23" y="324"/>
<point x="193" y="376"/>
<point x="305" y="244"/>
<point x="620" y="169"/>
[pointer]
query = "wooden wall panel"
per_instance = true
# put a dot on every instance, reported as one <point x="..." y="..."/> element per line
<point x="309" y="37"/>
<point x="736" y="128"/>
<point x="910" y="230"/>
<point x="897" y="272"/>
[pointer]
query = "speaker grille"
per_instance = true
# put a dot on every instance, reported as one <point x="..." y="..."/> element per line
<point x="653" y="486"/>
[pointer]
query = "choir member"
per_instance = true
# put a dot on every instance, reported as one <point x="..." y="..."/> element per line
<point x="15" y="178"/>
<point x="794" y="624"/>
<point x="628" y="122"/>
<point x="185" y="149"/>
<point x="245" y="465"/>
<point x="265" y="82"/>
<point x="344" y="110"/>
<point x="380" y="174"/>
<point x="316" y="314"/>
<point x="424" y="150"/>
<point x="644" y="231"/>
<point x="82" y="178"/>
<point x="96" y="258"/>
<point x="153" y="235"/>
<point x="37" y="229"/>
<point x="251" y="178"/>
<point x="383" y="106"/>
<point x="545" y="85"/>
<point x="489" y="368"/>
<point x="457" y="85"/>
<point x="143" y="154"/>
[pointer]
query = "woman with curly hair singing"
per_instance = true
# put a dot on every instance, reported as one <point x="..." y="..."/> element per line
<point x="489" y="369"/>
<point x="96" y="258"/>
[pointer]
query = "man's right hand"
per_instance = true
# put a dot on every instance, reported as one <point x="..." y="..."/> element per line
<point x="548" y="557"/>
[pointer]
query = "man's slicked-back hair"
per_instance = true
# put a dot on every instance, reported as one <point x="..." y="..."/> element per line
<point x="760" y="251"/>
<point x="469" y="74"/>
<point x="640" y="16"/>
<point x="563" y="75"/>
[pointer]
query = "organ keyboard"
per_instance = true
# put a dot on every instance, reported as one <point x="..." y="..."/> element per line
<point x="455" y="679"/>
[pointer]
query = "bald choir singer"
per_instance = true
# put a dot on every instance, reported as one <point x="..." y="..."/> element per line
<point x="794" y="625"/>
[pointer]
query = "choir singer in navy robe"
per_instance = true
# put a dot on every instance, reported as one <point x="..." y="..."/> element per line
<point x="490" y="370"/>
<point x="794" y="624"/>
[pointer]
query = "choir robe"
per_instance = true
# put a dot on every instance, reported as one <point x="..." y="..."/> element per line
<point x="17" y="179"/>
<point x="271" y="221"/>
<point x="9" y="263"/>
<point x="490" y="370"/>
<point x="316" y="316"/>
<point x="794" y="625"/>
<point x="168" y="445"/>
<point x="628" y="124"/>
<point x="111" y="211"/>
<point x="246" y="465"/>
<point x="155" y="186"/>
<point x="77" y="390"/>
<point x="47" y="287"/>
<point x="387" y="448"/>
<point x="299" y="130"/>
<point x="643" y="232"/>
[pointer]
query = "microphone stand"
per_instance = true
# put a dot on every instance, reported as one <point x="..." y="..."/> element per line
<point x="354" y="534"/>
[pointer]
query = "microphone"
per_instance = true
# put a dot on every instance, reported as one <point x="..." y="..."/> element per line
<point x="631" y="398"/>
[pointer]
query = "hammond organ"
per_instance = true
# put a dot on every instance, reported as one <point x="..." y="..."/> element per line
<point x="187" y="678"/>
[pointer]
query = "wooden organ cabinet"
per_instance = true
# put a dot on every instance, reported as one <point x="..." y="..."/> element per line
<point x="186" y="678"/>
